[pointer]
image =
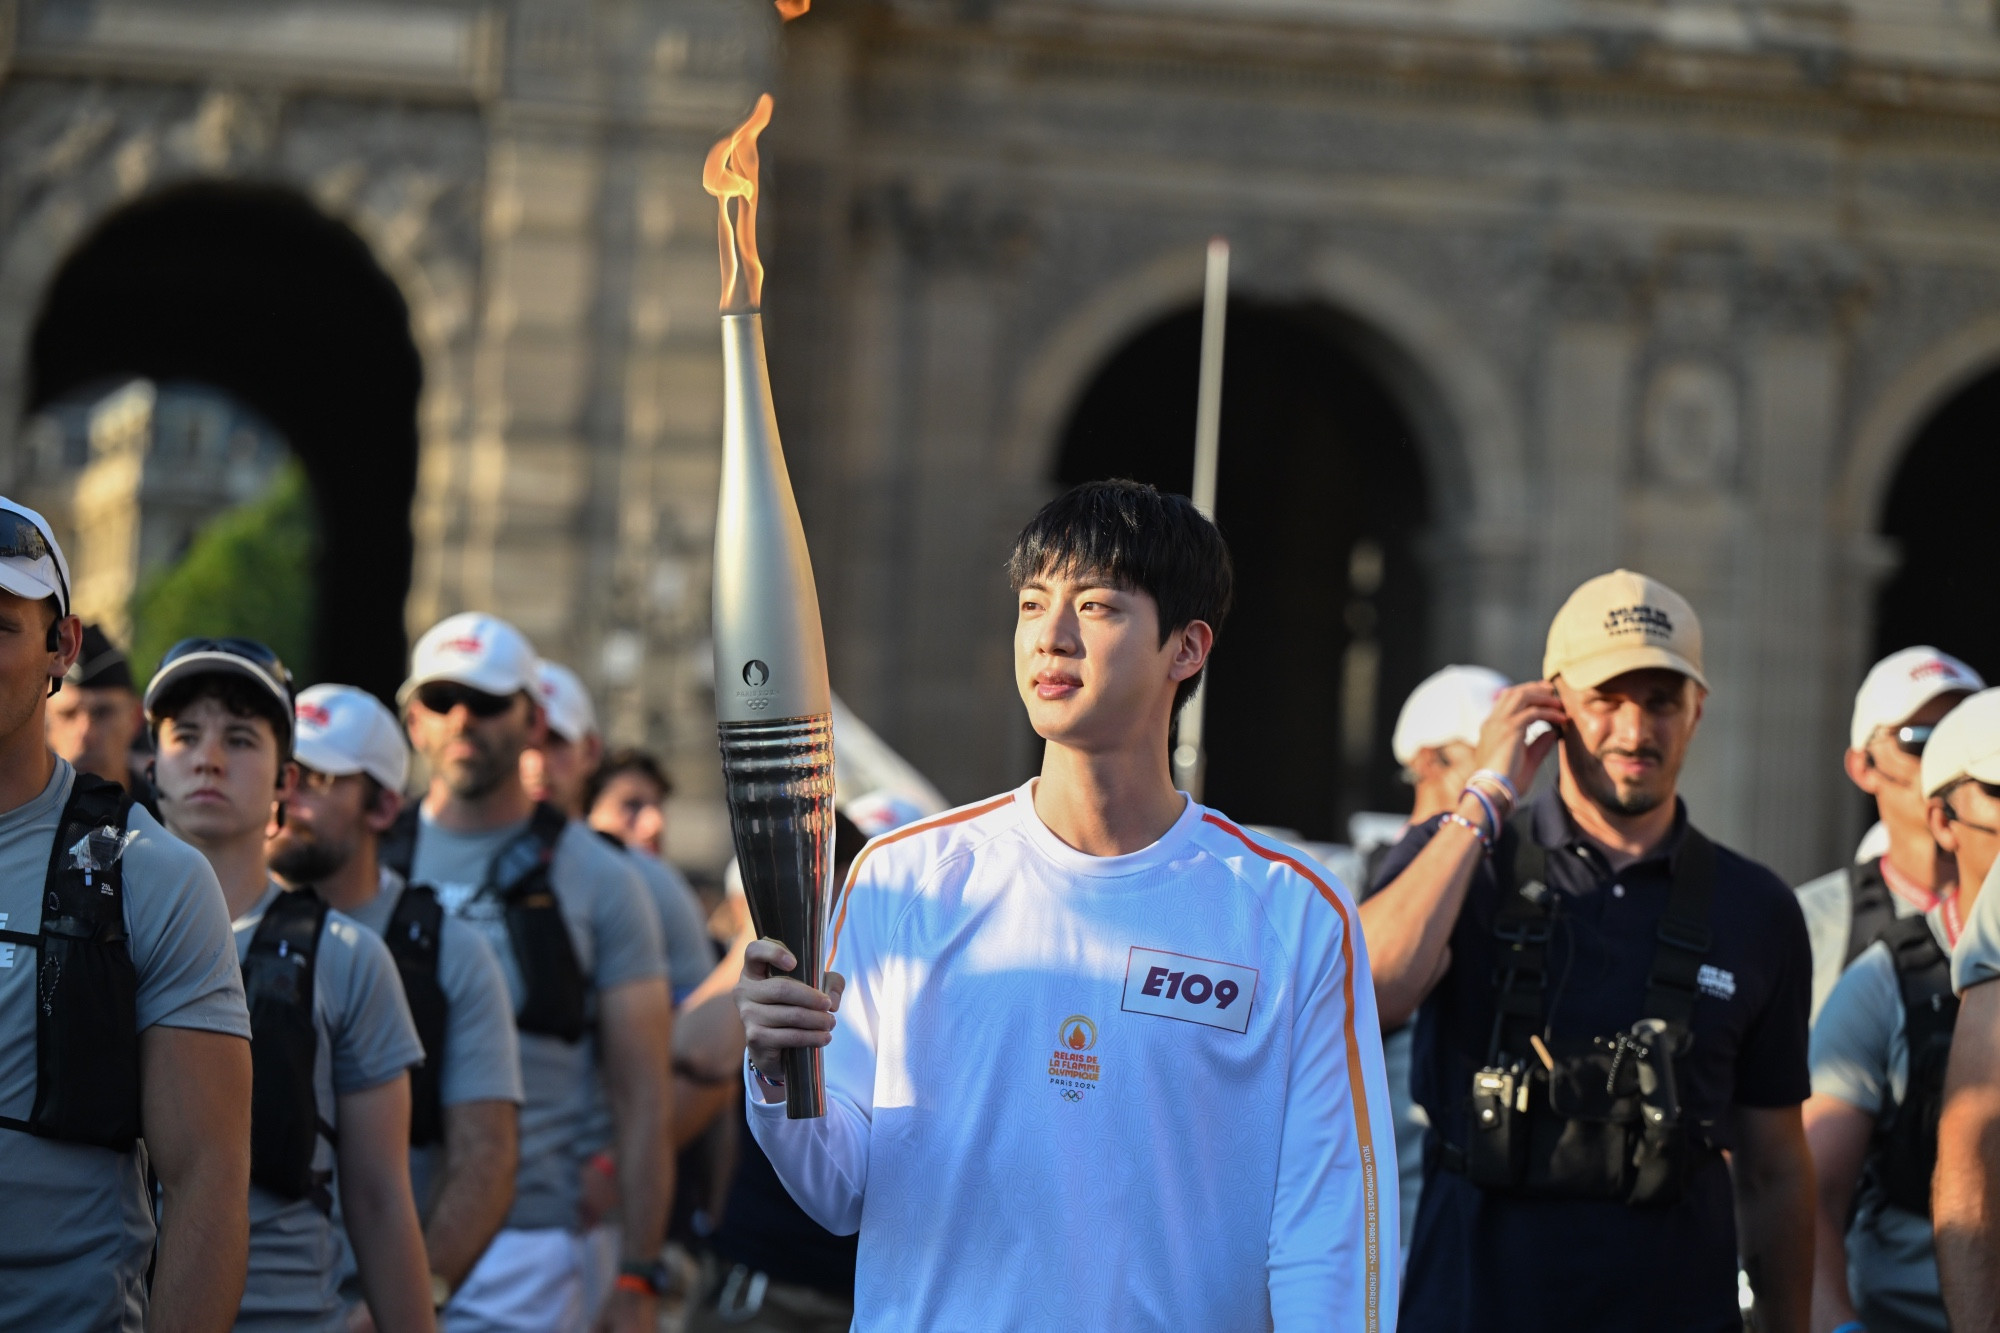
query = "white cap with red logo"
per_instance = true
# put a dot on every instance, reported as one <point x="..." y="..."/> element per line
<point x="1900" y="684"/>
<point x="565" y="702"/>
<point x="475" y="649"/>
<point x="342" y="730"/>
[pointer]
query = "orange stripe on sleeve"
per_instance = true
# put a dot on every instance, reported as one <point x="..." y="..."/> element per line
<point x="907" y="831"/>
<point x="1357" y="1089"/>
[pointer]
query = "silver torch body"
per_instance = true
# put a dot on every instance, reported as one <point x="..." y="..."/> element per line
<point x="774" y="708"/>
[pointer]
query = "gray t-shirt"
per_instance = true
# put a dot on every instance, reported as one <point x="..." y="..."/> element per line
<point x="616" y="935"/>
<point x="1977" y="957"/>
<point x="366" y="1038"/>
<point x="76" y="1227"/>
<point x="1859" y="1053"/>
<point x="1828" y="904"/>
<point x="690" y="957"/>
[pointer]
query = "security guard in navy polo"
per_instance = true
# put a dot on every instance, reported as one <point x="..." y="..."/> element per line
<point x="1610" y="1001"/>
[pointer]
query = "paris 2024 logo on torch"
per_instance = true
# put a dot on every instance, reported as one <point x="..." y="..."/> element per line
<point x="756" y="675"/>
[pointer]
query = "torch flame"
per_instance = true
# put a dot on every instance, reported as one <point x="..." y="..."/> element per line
<point x="791" y="9"/>
<point x="731" y="173"/>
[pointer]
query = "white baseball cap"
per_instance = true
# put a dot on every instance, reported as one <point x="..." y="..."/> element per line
<point x="565" y="701"/>
<point x="472" y="648"/>
<point x="343" y="730"/>
<point x="1901" y="683"/>
<point x="1451" y="705"/>
<point x="1965" y="745"/>
<point x="31" y="560"/>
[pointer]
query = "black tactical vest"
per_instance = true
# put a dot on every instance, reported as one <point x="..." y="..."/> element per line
<point x="556" y="999"/>
<point x="279" y="969"/>
<point x="1903" y="1154"/>
<point x="414" y="936"/>
<point x="1588" y="1117"/>
<point x="87" y="991"/>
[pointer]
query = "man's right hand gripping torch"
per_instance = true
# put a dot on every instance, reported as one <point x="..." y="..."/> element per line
<point x="774" y="708"/>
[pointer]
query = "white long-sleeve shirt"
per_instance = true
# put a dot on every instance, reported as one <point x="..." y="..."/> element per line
<point x="1114" y="1093"/>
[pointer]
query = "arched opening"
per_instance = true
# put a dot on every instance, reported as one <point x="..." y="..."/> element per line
<point x="1939" y="514"/>
<point x="1323" y="498"/>
<point x="254" y="291"/>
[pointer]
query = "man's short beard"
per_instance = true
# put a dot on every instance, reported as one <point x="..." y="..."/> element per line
<point x="308" y="861"/>
<point x="1596" y="784"/>
<point x="480" y="778"/>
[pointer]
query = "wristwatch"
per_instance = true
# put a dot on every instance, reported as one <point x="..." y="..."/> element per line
<point x="440" y="1292"/>
<point x="653" y="1278"/>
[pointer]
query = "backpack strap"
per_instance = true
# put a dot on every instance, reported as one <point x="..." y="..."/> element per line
<point x="1684" y="937"/>
<point x="415" y="935"/>
<point x="280" y="970"/>
<point x="86" y="1018"/>
<point x="1521" y="927"/>
<point x="1871" y="909"/>
<point x="1923" y="976"/>
<point x="527" y="857"/>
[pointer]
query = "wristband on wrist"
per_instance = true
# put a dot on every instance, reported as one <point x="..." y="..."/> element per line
<point x="777" y="1082"/>
<point x="1486" y="804"/>
<point x="1500" y="780"/>
<point x="1485" y="843"/>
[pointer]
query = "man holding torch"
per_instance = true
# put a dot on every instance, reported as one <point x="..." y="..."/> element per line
<point x="1100" y="1057"/>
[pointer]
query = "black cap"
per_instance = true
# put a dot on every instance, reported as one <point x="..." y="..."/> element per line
<point x="100" y="666"/>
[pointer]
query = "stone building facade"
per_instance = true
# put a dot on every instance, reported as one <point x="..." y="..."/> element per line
<point x="1664" y="283"/>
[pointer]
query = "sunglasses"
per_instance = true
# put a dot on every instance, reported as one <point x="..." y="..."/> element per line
<point x="1911" y="740"/>
<point x="441" y="696"/>
<point x="258" y="654"/>
<point x="20" y="539"/>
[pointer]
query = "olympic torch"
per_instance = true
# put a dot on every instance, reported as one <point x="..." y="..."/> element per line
<point x="773" y="705"/>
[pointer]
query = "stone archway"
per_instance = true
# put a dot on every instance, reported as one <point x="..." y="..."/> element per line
<point x="1324" y="497"/>
<point x="252" y="289"/>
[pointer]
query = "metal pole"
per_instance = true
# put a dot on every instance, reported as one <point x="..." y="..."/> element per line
<point x="1189" y="760"/>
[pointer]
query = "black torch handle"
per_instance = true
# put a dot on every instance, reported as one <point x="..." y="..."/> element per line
<point x="778" y="780"/>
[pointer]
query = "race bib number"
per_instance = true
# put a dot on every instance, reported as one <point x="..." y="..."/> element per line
<point x="1194" y="990"/>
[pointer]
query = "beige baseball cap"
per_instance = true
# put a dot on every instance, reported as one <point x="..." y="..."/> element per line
<point x="1965" y="745"/>
<point x="1621" y="622"/>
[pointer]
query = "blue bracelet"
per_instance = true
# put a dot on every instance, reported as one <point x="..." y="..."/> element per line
<point x="1486" y="804"/>
<point x="1499" y="780"/>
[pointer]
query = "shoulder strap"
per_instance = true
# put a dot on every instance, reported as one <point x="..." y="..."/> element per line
<point x="1923" y="976"/>
<point x="397" y="848"/>
<point x="1870" y="910"/>
<point x="1521" y="930"/>
<point x="527" y="857"/>
<point x="1684" y="937"/>
<point x="415" y="936"/>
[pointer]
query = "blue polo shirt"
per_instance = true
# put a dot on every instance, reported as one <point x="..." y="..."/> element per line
<point x="1481" y="1260"/>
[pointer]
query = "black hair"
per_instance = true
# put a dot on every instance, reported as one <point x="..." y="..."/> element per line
<point x="1133" y="537"/>
<point x="238" y="696"/>
<point x="620" y="762"/>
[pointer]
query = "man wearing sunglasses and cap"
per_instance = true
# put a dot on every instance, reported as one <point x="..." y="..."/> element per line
<point x="331" y="1037"/>
<point x="466" y="1096"/>
<point x="155" y="1035"/>
<point x="580" y="946"/>
<point x="1879" y="1052"/>
<point x="1903" y="697"/>
<point x="1610" y="1002"/>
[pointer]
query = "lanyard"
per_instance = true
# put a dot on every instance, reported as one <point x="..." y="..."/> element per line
<point x="1953" y="922"/>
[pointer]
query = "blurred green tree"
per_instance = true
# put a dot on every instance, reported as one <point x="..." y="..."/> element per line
<point x="249" y="573"/>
